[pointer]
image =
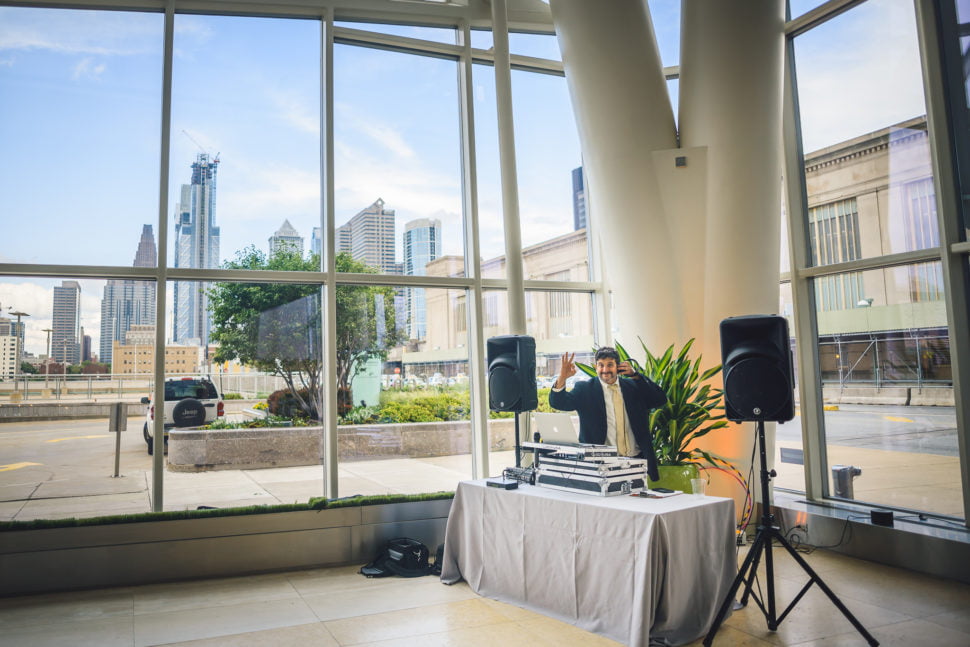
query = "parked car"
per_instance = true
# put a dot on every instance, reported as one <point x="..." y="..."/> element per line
<point x="189" y="402"/>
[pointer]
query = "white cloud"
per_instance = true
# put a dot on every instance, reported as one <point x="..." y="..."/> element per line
<point x="86" y="68"/>
<point x="297" y="113"/>
<point x="80" y="32"/>
<point x="381" y="135"/>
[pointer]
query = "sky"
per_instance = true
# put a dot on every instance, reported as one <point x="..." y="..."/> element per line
<point x="79" y="161"/>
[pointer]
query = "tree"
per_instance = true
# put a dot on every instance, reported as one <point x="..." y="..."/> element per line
<point x="366" y="327"/>
<point x="27" y="367"/>
<point x="276" y="327"/>
<point x="89" y="367"/>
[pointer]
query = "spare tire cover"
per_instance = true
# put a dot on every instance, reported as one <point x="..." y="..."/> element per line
<point x="188" y="413"/>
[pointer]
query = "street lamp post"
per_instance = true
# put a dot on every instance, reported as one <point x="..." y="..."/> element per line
<point x="20" y="347"/>
<point x="47" y="360"/>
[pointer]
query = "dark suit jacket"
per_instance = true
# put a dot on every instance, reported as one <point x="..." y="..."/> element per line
<point x="640" y="395"/>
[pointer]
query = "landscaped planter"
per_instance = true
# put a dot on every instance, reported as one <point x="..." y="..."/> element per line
<point x="194" y="450"/>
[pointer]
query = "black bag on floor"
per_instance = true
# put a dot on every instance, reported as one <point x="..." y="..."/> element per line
<point x="402" y="556"/>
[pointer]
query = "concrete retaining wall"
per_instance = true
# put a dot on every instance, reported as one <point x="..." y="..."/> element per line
<point x="866" y="395"/>
<point x="60" y="411"/>
<point x="195" y="450"/>
<point x="59" y="559"/>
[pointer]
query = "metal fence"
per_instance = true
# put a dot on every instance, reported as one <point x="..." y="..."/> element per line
<point x="27" y="387"/>
<point x="894" y="358"/>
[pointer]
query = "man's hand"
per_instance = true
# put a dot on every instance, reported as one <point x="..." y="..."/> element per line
<point x="625" y="369"/>
<point x="566" y="370"/>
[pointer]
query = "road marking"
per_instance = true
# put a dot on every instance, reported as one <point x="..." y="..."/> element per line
<point x="897" y="419"/>
<point x="57" y="440"/>
<point x="15" y="466"/>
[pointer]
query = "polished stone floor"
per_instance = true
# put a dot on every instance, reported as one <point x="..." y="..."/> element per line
<point x="333" y="607"/>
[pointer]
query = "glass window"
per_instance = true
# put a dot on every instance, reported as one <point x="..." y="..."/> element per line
<point x="547" y="158"/>
<point x="396" y="171"/>
<point x="435" y="34"/>
<point x="482" y="38"/>
<point x="890" y="429"/>
<point x="491" y="233"/>
<point x="405" y="427"/>
<point x="799" y="7"/>
<point x="245" y="146"/>
<point x="49" y="341"/>
<point x="534" y="45"/>
<point x="863" y="125"/>
<point x="79" y="122"/>
<point x="263" y="362"/>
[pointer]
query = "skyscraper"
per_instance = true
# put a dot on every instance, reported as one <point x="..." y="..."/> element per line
<point x="422" y="244"/>
<point x="316" y="241"/>
<point x="197" y="247"/>
<point x="286" y="238"/>
<point x="369" y="237"/>
<point x="66" y="335"/>
<point x="128" y="303"/>
<point x="579" y="199"/>
<point x="10" y="342"/>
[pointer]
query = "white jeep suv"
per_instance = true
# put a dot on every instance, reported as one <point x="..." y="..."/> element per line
<point x="189" y="402"/>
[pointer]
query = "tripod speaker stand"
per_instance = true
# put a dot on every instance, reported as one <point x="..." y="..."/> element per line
<point x="758" y="384"/>
<point x="766" y="534"/>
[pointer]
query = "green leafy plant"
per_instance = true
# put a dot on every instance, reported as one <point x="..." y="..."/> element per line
<point x="693" y="409"/>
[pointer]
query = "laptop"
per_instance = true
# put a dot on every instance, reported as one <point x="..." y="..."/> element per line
<point x="556" y="428"/>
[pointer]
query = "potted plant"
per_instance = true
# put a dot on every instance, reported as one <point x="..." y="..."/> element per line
<point x="691" y="412"/>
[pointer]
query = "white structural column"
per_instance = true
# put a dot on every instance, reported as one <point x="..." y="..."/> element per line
<point x="731" y="80"/>
<point x="622" y="111"/>
<point x="731" y="103"/>
<point x="510" y="182"/>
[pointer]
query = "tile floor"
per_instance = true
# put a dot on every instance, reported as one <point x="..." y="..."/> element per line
<point x="334" y="607"/>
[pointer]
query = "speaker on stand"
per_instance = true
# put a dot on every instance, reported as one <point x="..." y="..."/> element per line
<point x="759" y="381"/>
<point x="512" y="378"/>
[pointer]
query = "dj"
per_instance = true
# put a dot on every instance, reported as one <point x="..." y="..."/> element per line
<point x="613" y="410"/>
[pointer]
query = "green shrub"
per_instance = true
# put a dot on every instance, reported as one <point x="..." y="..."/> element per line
<point x="258" y="423"/>
<point x="362" y="415"/>
<point x="406" y="412"/>
<point x="426" y="405"/>
<point x="232" y="396"/>
<point x="283" y="403"/>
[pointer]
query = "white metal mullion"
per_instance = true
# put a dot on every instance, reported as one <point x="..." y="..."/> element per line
<point x="106" y="272"/>
<point x="328" y="260"/>
<point x="818" y="15"/>
<point x="927" y="255"/>
<point x="473" y="292"/>
<point x="360" y="37"/>
<point x="803" y="296"/>
<point x="161" y="278"/>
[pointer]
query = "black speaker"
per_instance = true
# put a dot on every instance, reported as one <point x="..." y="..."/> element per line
<point x="757" y="368"/>
<point x="512" y="373"/>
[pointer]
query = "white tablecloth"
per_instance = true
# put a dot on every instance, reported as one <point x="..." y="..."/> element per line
<point x="628" y="568"/>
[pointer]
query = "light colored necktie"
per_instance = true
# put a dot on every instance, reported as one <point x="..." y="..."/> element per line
<point x="622" y="446"/>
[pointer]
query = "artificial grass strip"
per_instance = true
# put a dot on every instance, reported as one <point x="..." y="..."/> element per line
<point x="316" y="503"/>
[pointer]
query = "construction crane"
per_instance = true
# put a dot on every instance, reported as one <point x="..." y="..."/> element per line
<point x="204" y="151"/>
